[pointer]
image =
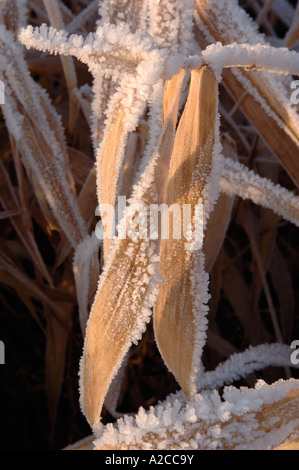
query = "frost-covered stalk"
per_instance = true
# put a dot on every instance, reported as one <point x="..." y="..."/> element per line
<point x="238" y="180"/>
<point x="37" y="130"/>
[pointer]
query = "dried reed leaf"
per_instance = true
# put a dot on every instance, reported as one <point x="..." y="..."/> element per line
<point x="248" y="224"/>
<point x="126" y="290"/>
<point x="216" y="229"/>
<point x="171" y="24"/>
<point x="88" y="14"/>
<point x="181" y="304"/>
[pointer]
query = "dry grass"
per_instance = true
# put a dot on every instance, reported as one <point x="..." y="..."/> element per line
<point x="49" y="190"/>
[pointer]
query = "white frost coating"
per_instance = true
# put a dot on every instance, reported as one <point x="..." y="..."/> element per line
<point x="238" y="180"/>
<point x="112" y="50"/>
<point x="199" y="291"/>
<point x="199" y="279"/>
<point x="177" y="424"/>
<point x="23" y="91"/>
<point x="241" y="364"/>
<point x="132" y="12"/>
<point x="262" y="57"/>
<point x="171" y="24"/>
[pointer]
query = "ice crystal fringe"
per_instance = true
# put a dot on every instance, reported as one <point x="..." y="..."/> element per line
<point x="242" y="364"/>
<point x="238" y="180"/>
<point x="259" y="418"/>
<point x="112" y="50"/>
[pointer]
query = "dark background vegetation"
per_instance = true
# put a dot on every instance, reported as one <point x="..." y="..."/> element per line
<point x="38" y="410"/>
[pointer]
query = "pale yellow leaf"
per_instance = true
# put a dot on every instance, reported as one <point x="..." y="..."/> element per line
<point x="177" y="308"/>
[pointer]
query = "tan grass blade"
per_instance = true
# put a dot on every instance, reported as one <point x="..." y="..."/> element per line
<point x="291" y="445"/>
<point x="292" y="35"/>
<point x="126" y="290"/>
<point x="263" y="98"/>
<point x="270" y="422"/>
<point x="181" y="304"/>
